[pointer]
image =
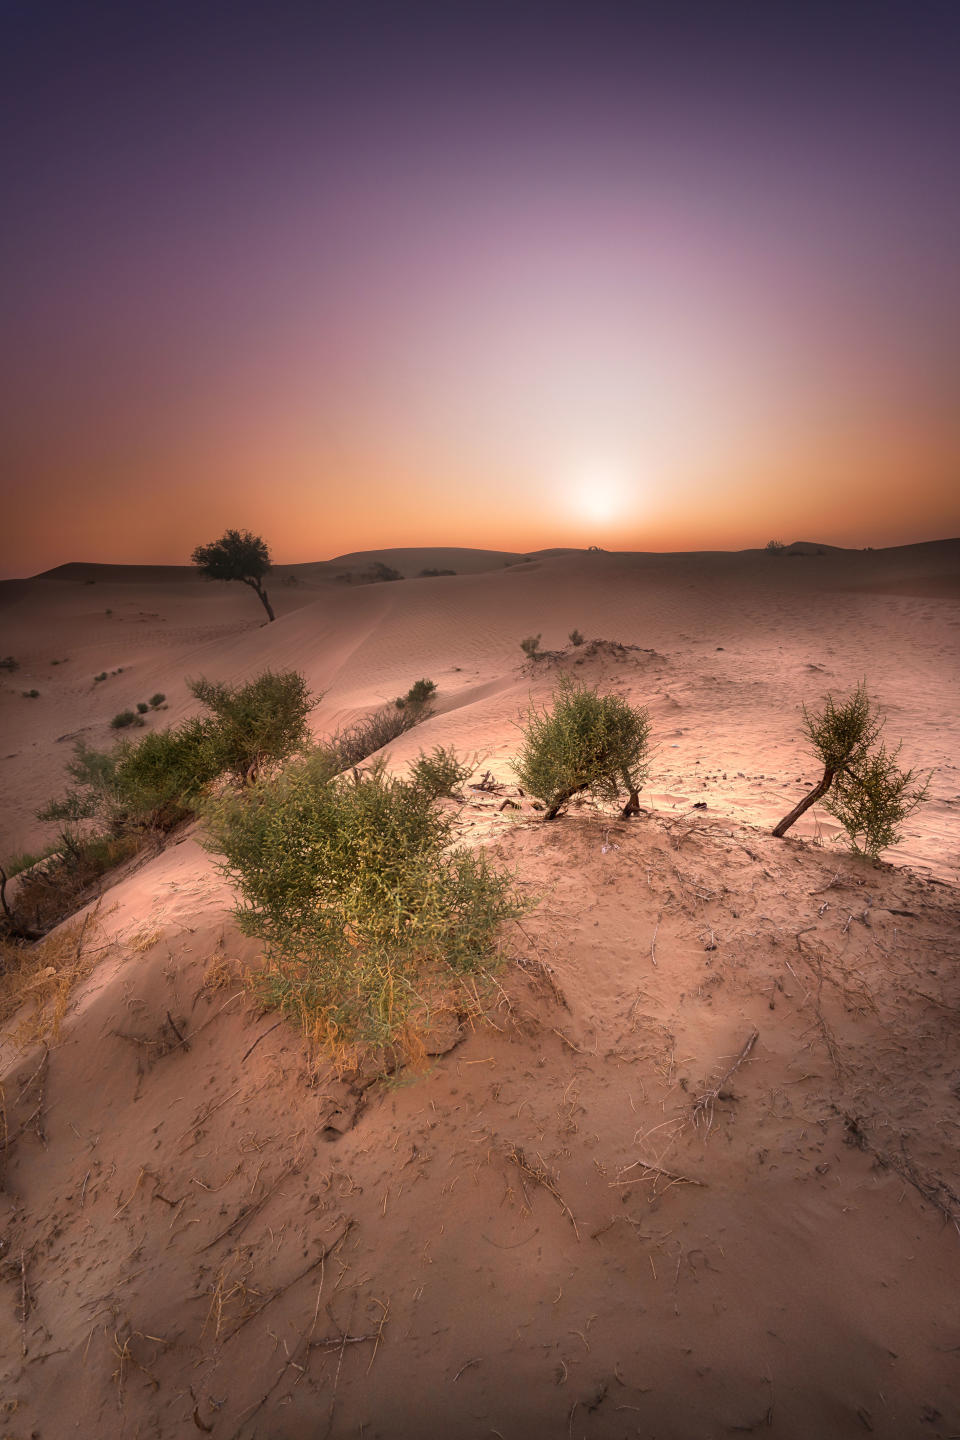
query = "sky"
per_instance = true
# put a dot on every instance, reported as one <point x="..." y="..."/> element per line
<point x="659" y="276"/>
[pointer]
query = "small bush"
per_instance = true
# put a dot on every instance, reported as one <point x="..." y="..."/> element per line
<point x="586" y="742"/>
<point x="531" y="646"/>
<point x="419" y="693"/>
<point x="256" y="725"/>
<point x="142" y="707"/>
<point x="775" y="547"/>
<point x="101" y="676"/>
<point x="575" y="638"/>
<point x="366" y="913"/>
<point x="30" y="694"/>
<point x="157" y="700"/>
<point x="873" y="798"/>
<point x="365" y="737"/>
<point x="122" y="719"/>
<point x="428" y="574"/>
<point x="9" y="663"/>
<point x="440" y="773"/>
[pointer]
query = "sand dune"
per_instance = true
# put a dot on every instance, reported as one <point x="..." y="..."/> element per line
<point x="204" y="1231"/>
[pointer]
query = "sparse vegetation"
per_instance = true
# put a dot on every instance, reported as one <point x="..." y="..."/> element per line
<point x="101" y="676"/>
<point x="428" y="574"/>
<point x="439" y="774"/>
<point x="575" y="638"/>
<point x="157" y="700"/>
<point x="142" y="707"/>
<point x="368" y="735"/>
<point x="531" y="646"/>
<point x="30" y="694"/>
<point x="420" y="692"/>
<point x="9" y="663"/>
<point x="871" y="794"/>
<point x="257" y="725"/>
<point x="368" y="917"/>
<point x="585" y="742"/>
<point x="775" y="547"/>
<point x="124" y="718"/>
<point x="237" y="555"/>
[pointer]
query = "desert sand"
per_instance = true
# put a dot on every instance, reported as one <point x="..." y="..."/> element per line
<point x="695" y="1173"/>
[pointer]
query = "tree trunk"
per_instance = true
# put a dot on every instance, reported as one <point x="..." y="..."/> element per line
<point x="815" y="794"/>
<point x="557" y="804"/>
<point x="266" y="603"/>
<point x="632" y="806"/>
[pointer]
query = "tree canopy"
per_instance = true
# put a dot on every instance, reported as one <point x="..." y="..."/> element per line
<point x="237" y="555"/>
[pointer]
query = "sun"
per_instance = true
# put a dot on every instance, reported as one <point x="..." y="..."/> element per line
<point x="599" y="494"/>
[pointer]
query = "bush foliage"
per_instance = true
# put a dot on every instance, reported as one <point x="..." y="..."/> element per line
<point x="585" y="742"/>
<point x="258" y="724"/>
<point x="364" y="909"/>
<point x="531" y="646"/>
<point x="439" y="774"/>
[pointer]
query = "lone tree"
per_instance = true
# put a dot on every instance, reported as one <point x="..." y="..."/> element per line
<point x="237" y="555"/>
<point x="586" y="742"/>
<point x="871" y="795"/>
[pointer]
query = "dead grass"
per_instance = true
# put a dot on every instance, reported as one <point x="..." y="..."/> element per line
<point x="36" y="981"/>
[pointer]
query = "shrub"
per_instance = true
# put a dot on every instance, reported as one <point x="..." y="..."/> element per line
<point x="775" y="547"/>
<point x="8" y="663"/>
<point x="587" y="741"/>
<point x="366" y="913"/>
<point x="428" y="574"/>
<point x="123" y="718"/>
<point x="871" y="794"/>
<point x="257" y="724"/>
<point x="368" y="735"/>
<point x="379" y="571"/>
<point x="157" y="700"/>
<point x="101" y="676"/>
<point x="419" y="693"/>
<point x="440" y="773"/>
<point x="873" y="798"/>
<point x="531" y="646"/>
<point x="30" y="694"/>
<point x="142" y="707"/>
<point x="575" y="637"/>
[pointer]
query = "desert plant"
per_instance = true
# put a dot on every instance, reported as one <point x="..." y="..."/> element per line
<point x="531" y="646"/>
<point x="428" y="574"/>
<point x="841" y="734"/>
<point x="379" y="572"/>
<point x="369" y="734"/>
<point x="9" y="663"/>
<point x="440" y="773"/>
<point x="775" y="547"/>
<point x="124" y="718"/>
<point x="575" y="637"/>
<point x="157" y="700"/>
<point x="873" y="797"/>
<point x="587" y="741"/>
<point x="237" y="555"/>
<point x="101" y="676"/>
<point x="142" y="707"/>
<point x="419" y="693"/>
<point x="30" y="694"/>
<point x="258" y="724"/>
<point x="365" y="911"/>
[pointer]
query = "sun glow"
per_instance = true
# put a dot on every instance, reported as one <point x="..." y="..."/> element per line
<point x="600" y="494"/>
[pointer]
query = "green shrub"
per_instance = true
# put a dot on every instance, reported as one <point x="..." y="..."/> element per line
<point x="30" y="694"/>
<point x="366" y="914"/>
<point x="142" y="707"/>
<point x="256" y="725"/>
<point x="8" y="663"/>
<point x="419" y="693"/>
<point x="575" y="637"/>
<point x="586" y="742"/>
<point x="122" y="719"/>
<point x="864" y="787"/>
<point x="440" y="773"/>
<point x="157" y="700"/>
<point x="531" y="646"/>
<point x="26" y="859"/>
<point x="101" y="676"/>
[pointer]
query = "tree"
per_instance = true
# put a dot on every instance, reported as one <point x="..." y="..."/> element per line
<point x="237" y="555"/>
<point x="871" y="794"/>
<point x="587" y="741"/>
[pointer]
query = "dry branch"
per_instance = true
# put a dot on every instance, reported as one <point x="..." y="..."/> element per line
<point x="704" y="1103"/>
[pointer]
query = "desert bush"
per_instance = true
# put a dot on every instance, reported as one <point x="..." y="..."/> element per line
<point x="575" y="637"/>
<point x="9" y="663"/>
<point x="142" y="707"/>
<point x="101" y="676"/>
<point x="775" y="547"/>
<point x="872" y="798"/>
<point x="124" y="718"/>
<point x="366" y="913"/>
<point x="585" y="742"/>
<point x="428" y="574"/>
<point x="369" y="734"/>
<point x="871" y="795"/>
<point x="68" y="878"/>
<point x="531" y="646"/>
<point x="419" y="693"/>
<point x="379" y="572"/>
<point x="157" y="700"/>
<point x="26" y="859"/>
<point x="440" y="773"/>
<point x="258" y="724"/>
<point x="30" y="694"/>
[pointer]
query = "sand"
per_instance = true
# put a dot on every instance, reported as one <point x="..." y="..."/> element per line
<point x="541" y="1231"/>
